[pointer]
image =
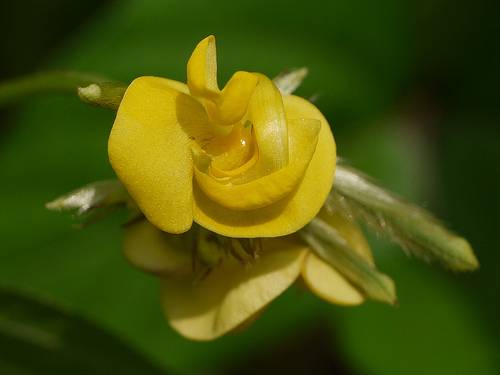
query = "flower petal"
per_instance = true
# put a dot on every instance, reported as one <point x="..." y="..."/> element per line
<point x="234" y="98"/>
<point x="326" y="281"/>
<point x="267" y="115"/>
<point x="266" y="190"/>
<point x="149" y="149"/>
<point x="202" y="69"/>
<point x="290" y="213"/>
<point x="152" y="250"/>
<point x="232" y="293"/>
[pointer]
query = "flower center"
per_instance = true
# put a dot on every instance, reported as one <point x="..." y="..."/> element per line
<point x="233" y="150"/>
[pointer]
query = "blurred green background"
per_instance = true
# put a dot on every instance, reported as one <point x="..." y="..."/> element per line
<point x="411" y="91"/>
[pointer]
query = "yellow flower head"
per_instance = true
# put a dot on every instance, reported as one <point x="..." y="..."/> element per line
<point x="251" y="166"/>
<point x="244" y="161"/>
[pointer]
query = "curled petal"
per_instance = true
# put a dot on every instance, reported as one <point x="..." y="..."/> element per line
<point x="266" y="190"/>
<point x="256" y="96"/>
<point x="232" y="293"/>
<point x="202" y="69"/>
<point x="267" y="115"/>
<point x="224" y="107"/>
<point x="293" y="211"/>
<point x="233" y="101"/>
<point x="230" y="152"/>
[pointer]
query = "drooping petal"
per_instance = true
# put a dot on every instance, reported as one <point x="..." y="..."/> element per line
<point x="326" y="281"/>
<point x="290" y="213"/>
<point x="152" y="250"/>
<point x="326" y="242"/>
<point x="232" y="293"/>
<point x="149" y="149"/>
<point x="202" y="69"/>
<point x="270" y="188"/>
<point x="328" y="284"/>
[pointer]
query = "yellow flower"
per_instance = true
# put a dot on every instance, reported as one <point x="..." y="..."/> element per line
<point x="251" y="166"/>
<point x="244" y="161"/>
<point x="233" y="293"/>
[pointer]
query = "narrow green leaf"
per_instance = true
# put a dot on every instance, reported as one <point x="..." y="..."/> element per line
<point x="88" y="197"/>
<point x="36" y="337"/>
<point x="288" y="82"/>
<point x="330" y="246"/>
<point x="413" y="228"/>
<point x="94" y="201"/>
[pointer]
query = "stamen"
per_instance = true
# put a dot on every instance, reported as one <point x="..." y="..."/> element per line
<point x="209" y="250"/>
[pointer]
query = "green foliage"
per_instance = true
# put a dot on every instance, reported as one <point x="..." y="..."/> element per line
<point x="37" y="337"/>
<point x="362" y="58"/>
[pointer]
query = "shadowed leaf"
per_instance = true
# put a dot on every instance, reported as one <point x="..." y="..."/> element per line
<point x="36" y="337"/>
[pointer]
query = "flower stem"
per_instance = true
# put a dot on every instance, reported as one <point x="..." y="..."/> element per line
<point x="17" y="89"/>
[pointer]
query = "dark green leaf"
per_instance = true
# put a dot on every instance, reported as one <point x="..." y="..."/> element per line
<point x="36" y="337"/>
